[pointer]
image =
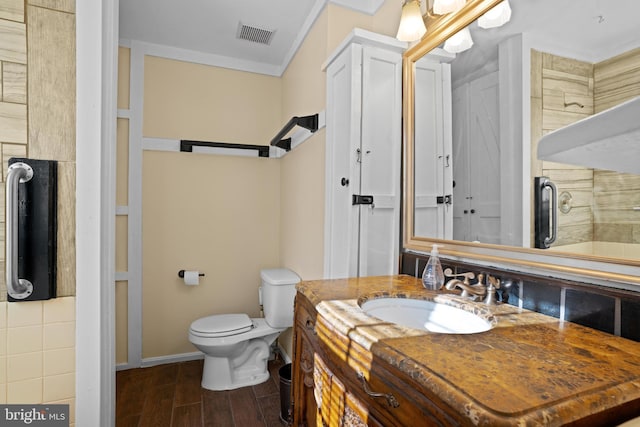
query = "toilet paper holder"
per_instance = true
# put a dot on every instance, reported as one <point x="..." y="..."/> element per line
<point x="181" y="274"/>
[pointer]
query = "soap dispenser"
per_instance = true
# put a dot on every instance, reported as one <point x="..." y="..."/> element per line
<point x="432" y="276"/>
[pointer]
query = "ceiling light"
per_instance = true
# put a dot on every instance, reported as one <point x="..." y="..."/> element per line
<point x="412" y="26"/>
<point x="459" y="42"/>
<point x="497" y="16"/>
<point x="440" y="7"/>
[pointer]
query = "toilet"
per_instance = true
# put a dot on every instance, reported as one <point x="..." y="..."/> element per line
<point x="236" y="347"/>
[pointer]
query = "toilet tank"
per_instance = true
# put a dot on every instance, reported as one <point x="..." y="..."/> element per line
<point x="278" y="293"/>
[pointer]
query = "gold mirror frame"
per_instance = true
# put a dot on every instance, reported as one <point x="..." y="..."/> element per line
<point x="601" y="270"/>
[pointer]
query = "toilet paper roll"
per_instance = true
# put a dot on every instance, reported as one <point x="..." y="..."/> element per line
<point x="191" y="277"/>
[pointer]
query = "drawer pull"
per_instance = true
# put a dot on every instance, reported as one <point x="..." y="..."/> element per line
<point x="391" y="400"/>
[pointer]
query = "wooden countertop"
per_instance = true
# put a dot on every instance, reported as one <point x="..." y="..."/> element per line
<point x="529" y="369"/>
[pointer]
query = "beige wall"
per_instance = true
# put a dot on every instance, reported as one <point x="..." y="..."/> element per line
<point x="191" y="101"/>
<point x="37" y="72"/>
<point x="216" y="214"/>
<point x="122" y="194"/>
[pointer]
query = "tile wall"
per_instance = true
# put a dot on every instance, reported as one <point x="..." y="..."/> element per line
<point x="609" y="310"/>
<point x="37" y="352"/>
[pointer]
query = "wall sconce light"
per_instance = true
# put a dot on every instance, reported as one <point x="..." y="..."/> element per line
<point x="496" y="17"/>
<point x="440" y="7"/>
<point x="459" y="42"/>
<point x="411" y="26"/>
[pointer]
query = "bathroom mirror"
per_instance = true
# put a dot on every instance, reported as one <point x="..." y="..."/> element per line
<point x="528" y="77"/>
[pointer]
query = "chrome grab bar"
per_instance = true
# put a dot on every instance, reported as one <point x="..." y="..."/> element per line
<point x="554" y="211"/>
<point x="16" y="288"/>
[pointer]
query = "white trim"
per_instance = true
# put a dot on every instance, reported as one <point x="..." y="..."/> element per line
<point x="222" y="151"/>
<point x="174" y="358"/>
<point x="285" y="357"/>
<point x="160" y="144"/>
<point x="366" y="38"/>
<point x="96" y="76"/>
<point x="124" y="43"/>
<point x="134" y="241"/>
<point x="196" y="57"/>
<point x="304" y="30"/>
<point x="124" y="113"/>
<point x="121" y="276"/>
<point x="369" y="7"/>
<point x="122" y="210"/>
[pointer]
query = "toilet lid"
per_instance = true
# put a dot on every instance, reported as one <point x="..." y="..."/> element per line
<point x="222" y="324"/>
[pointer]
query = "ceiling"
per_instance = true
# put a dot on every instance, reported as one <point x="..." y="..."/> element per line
<point x="589" y="29"/>
<point x="586" y="30"/>
<point x="211" y="27"/>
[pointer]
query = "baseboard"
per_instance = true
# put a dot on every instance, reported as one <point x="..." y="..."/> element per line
<point x="184" y="357"/>
<point x="285" y="357"/>
<point x="174" y="358"/>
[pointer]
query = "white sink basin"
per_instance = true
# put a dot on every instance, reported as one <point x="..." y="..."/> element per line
<point x="427" y="315"/>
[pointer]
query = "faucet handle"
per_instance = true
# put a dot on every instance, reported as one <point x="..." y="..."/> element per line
<point x="493" y="281"/>
<point x="492" y="285"/>
<point x="467" y="276"/>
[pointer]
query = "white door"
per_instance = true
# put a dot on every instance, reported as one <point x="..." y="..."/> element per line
<point x="461" y="190"/>
<point x="342" y="127"/>
<point x="484" y="155"/>
<point x="363" y="122"/>
<point x="432" y="151"/>
<point x="380" y="162"/>
<point x="476" y="170"/>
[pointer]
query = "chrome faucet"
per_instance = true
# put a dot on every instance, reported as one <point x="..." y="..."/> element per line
<point x="468" y="290"/>
<point x="478" y="291"/>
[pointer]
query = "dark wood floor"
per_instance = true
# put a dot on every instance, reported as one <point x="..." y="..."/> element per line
<point x="170" y="395"/>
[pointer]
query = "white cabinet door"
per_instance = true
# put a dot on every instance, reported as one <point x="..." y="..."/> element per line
<point x="342" y="160"/>
<point x="363" y="145"/>
<point x="432" y="151"/>
<point x="380" y="164"/>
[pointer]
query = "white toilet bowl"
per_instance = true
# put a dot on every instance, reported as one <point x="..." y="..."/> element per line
<point x="236" y="357"/>
<point x="236" y="348"/>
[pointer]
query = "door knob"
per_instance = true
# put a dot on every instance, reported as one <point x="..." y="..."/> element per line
<point x="344" y="182"/>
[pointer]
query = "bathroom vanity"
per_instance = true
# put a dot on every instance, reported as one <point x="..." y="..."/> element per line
<point x="351" y="368"/>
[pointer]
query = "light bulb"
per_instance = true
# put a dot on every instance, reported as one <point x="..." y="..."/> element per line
<point x="459" y="42"/>
<point x="412" y="26"/>
<point x="496" y="16"/>
<point x="440" y="7"/>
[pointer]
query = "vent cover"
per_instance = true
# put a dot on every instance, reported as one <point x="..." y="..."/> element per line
<point x="254" y="34"/>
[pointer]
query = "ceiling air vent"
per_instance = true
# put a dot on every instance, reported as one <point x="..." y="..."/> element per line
<point x="254" y="34"/>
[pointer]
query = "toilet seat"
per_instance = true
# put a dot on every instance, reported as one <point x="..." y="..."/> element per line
<point x="221" y="325"/>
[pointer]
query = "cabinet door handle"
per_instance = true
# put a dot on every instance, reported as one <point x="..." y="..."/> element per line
<point x="309" y="324"/>
<point x="391" y="400"/>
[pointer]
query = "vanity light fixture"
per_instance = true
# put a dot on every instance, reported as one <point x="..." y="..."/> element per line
<point x="496" y="17"/>
<point x="440" y="7"/>
<point x="412" y="26"/>
<point x="459" y="42"/>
